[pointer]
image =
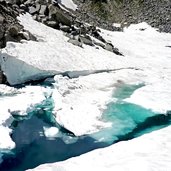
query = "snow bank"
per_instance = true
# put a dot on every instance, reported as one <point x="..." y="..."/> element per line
<point x="155" y="96"/>
<point x="146" y="153"/>
<point x="18" y="71"/>
<point x="51" y="54"/>
<point x="6" y="143"/>
<point x="80" y="102"/>
<point x="23" y="102"/>
<point x="145" y="48"/>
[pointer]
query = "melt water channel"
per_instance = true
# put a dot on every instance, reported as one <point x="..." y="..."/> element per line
<point x="34" y="148"/>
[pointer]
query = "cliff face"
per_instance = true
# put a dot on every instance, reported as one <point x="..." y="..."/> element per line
<point x="157" y="13"/>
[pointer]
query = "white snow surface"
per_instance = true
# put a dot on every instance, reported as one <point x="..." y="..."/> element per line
<point x="5" y="143"/>
<point x="22" y="62"/>
<point x="51" y="132"/>
<point x="80" y="102"/>
<point x="150" y="152"/>
<point x="68" y="4"/>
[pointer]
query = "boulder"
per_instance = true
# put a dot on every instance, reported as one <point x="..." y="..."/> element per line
<point x="76" y="41"/>
<point x="86" y="40"/>
<point x="43" y="9"/>
<point x="111" y="48"/>
<point x="13" y="30"/>
<point x="2" y="77"/>
<point x="56" y="14"/>
<point x="33" y="10"/>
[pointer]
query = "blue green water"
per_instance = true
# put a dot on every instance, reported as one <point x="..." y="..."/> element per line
<point x="33" y="148"/>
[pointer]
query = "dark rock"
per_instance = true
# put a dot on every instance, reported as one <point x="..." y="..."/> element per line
<point x="31" y="36"/>
<point x="2" y="32"/>
<point x="95" y="33"/>
<point x="116" y="51"/>
<point x="86" y="40"/>
<point x="13" y="30"/>
<point x="10" y="29"/>
<point x="56" y="14"/>
<point x="3" y="79"/>
<point x="8" y="38"/>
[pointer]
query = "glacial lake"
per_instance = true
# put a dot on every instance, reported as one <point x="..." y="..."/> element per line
<point x="33" y="148"/>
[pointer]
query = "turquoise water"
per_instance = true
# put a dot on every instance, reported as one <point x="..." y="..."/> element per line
<point x="123" y="116"/>
<point x="33" y="148"/>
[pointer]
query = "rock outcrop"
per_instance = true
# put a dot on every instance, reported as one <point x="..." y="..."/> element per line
<point x="10" y="28"/>
<point x="51" y="13"/>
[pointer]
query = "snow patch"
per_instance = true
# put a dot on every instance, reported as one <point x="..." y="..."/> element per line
<point x="139" y="27"/>
<point x="5" y="142"/>
<point x="51" y="132"/>
<point x="156" y="96"/>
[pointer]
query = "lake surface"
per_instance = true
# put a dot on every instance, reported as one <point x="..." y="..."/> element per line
<point x="34" y="148"/>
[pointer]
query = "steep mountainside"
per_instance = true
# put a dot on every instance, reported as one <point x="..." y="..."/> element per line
<point x="103" y="13"/>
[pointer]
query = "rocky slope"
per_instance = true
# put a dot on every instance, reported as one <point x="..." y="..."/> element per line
<point x="53" y="14"/>
<point x="72" y="21"/>
<point x="103" y="13"/>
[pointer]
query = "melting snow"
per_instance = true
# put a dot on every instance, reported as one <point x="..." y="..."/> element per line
<point x="80" y="102"/>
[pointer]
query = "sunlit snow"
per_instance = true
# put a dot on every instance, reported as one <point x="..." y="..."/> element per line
<point x="80" y="102"/>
